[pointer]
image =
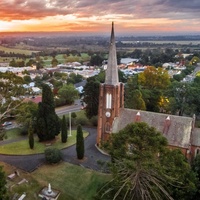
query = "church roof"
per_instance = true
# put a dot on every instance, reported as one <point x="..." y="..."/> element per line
<point x="112" y="69"/>
<point x="195" y="137"/>
<point x="177" y="132"/>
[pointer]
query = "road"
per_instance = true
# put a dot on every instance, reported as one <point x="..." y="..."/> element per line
<point x="93" y="157"/>
<point x="66" y="109"/>
<point x="59" y="111"/>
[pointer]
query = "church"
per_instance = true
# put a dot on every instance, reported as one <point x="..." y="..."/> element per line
<point x="180" y="131"/>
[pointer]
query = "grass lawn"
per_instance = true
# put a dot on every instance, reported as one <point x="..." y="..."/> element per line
<point x="74" y="182"/>
<point x="12" y="134"/>
<point x="22" y="147"/>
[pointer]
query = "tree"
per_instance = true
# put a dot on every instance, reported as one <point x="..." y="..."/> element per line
<point x="68" y="93"/>
<point x="11" y="94"/>
<point x="154" y="78"/>
<point x="196" y="169"/>
<point x="30" y="136"/>
<point x="54" y="62"/>
<point x="144" y="168"/>
<point x="27" y="79"/>
<point x="64" y="130"/>
<point x="91" y="97"/>
<point x="180" y="98"/>
<point x="96" y="60"/>
<point x="26" y="112"/>
<point x="74" y="78"/>
<point x="153" y="81"/>
<point x="13" y="63"/>
<point x="80" y="143"/>
<point x="47" y="124"/>
<point x="3" y="190"/>
<point x="134" y="100"/>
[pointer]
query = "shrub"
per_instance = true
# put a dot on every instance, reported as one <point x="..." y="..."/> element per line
<point x="73" y="115"/>
<point x="53" y="155"/>
<point x="94" y="120"/>
<point x="24" y="130"/>
<point x="82" y="121"/>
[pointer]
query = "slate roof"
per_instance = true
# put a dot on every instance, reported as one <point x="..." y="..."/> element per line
<point x="178" y="131"/>
<point x="196" y="137"/>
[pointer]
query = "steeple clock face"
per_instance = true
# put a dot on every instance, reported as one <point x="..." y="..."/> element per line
<point x="108" y="114"/>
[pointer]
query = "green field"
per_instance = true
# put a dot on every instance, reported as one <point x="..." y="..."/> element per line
<point x="16" y="50"/>
<point x="22" y="49"/>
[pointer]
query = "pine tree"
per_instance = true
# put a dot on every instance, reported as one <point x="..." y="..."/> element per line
<point x="64" y="130"/>
<point x="79" y="142"/>
<point x="30" y="136"/>
<point x="47" y="124"/>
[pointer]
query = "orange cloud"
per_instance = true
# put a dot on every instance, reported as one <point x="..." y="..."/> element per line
<point x="89" y="16"/>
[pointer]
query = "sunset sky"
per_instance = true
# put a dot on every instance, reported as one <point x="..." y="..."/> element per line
<point x="95" y="16"/>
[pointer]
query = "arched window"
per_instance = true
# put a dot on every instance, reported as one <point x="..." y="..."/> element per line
<point x="107" y="127"/>
<point x="108" y="101"/>
<point x="197" y="152"/>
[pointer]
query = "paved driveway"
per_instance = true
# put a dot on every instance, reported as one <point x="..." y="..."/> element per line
<point x="92" y="156"/>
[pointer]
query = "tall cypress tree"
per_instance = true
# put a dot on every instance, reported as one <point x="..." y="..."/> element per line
<point x="30" y="136"/>
<point x="64" y="130"/>
<point x="47" y="123"/>
<point x="80" y="149"/>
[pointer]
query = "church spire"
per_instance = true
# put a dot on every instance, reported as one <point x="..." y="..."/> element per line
<point x="112" y="69"/>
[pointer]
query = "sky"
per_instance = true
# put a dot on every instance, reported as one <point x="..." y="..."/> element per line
<point x="135" y="17"/>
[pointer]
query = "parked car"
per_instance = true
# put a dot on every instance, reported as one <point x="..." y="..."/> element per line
<point x="7" y="124"/>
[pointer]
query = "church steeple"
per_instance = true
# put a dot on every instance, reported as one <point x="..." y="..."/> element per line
<point x="112" y="69"/>
<point x="111" y="95"/>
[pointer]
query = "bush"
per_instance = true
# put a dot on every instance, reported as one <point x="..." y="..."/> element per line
<point x="82" y="121"/>
<point x="24" y="130"/>
<point x="73" y="115"/>
<point x="94" y="120"/>
<point x="53" y="155"/>
<point x="73" y="121"/>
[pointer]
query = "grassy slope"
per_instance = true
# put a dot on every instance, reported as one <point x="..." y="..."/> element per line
<point x="74" y="182"/>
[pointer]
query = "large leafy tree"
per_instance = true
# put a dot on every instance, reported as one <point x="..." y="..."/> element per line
<point x="47" y="124"/>
<point x="26" y="112"/>
<point x="11" y="94"/>
<point x="145" y="90"/>
<point x="134" y="100"/>
<point x="183" y="98"/>
<point x="196" y="169"/>
<point x="68" y="93"/>
<point x="91" y="97"/>
<point x="144" y="168"/>
<point x="11" y="91"/>
<point x="154" y="78"/>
